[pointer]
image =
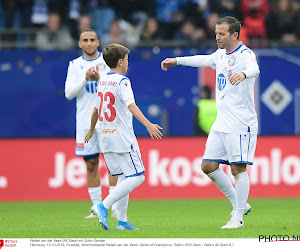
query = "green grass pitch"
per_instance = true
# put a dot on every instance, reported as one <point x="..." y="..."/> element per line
<point x="155" y="219"/>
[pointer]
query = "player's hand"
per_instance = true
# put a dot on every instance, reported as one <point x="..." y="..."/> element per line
<point x="154" y="131"/>
<point x="168" y="62"/>
<point x="236" y="78"/>
<point x="88" y="136"/>
<point x="92" y="74"/>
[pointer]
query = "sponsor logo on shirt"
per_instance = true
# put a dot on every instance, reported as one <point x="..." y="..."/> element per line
<point x="108" y="131"/>
<point x="221" y="82"/>
<point x="91" y="86"/>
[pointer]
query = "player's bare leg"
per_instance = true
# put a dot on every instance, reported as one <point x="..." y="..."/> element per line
<point x="92" y="174"/>
<point x="93" y="181"/>
<point x="112" y="184"/>
<point x="209" y="166"/>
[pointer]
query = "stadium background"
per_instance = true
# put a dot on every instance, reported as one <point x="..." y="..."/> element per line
<point x="37" y="128"/>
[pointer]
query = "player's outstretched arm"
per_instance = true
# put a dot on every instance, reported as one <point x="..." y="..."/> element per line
<point x="168" y="62"/>
<point x="153" y="129"/>
<point x="94" y="120"/>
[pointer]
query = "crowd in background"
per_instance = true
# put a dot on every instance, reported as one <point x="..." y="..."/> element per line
<point x="129" y="22"/>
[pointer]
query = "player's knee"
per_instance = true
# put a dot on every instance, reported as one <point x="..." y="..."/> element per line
<point x="139" y="179"/>
<point x="206" y="167"/>
<point x="236" y="169"/>
<point x="92" y="166"/>
<point x="112" y="180"/>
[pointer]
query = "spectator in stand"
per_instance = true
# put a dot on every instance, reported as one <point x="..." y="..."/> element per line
<point x="115" y="35"/>
<point x="282" y="22"/>
<point x="254" y="15"/>
<point x="40" y="12"/>
<point x="225" y="7"/>
<point x="10" y="9"/>
<point x="69" y="12"/>
<point x="295" y="5"/>
<point x="102" y="13"/>
<point x="54" y="37"/>
<point x="84" y="23"/>
<point x="137" y="11"/>
<point x="170" y="14"/>
<point x="189" y="32"/>
<point x="197" y="11"/>
<point x="211" y="25"/>
<point x="150" y="30"/>
<point x="133" y="15"/>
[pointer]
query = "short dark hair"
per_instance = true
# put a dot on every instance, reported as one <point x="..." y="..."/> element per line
<point x="113" y="53"/>
<point x="88" y="30"/>
<point x="234" y="24"/>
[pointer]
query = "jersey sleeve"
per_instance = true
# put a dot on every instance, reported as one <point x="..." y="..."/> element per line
<point x="126" y="93"/>
<point x="97" y="102"/>
<point x="198" y="61"/>
<point x="73" y="85"/>
<point x="250" y="63"/>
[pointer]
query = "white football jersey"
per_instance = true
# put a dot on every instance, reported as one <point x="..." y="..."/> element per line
<point x="235" y="103"/>
<point x="116" y="129"/>
<point x="87" y="94"/>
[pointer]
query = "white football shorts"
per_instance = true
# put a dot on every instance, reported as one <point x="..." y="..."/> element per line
<point x="88" y="150"/>
<point x="230" y="148"/>
<point x="129" y="163"/>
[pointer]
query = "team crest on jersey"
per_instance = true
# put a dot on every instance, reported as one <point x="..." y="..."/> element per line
<point x="101" y="66"/>
<point x="221" y="82"/>
<point x="231" y="61"/>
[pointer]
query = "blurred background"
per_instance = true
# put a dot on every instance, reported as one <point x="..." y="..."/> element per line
<point x="38" y="38"/>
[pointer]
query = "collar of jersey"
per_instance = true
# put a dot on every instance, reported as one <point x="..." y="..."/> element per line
<point x="99" y="54"/>
<point x="110" y="73"/>
<point x="241" y="44"/>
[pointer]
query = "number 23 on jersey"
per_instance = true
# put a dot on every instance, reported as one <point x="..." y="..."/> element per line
<point x="109" y="104"/>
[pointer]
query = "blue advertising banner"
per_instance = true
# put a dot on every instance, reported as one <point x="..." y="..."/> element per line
<point x="33" y="103"/>
<point x="279" y="92"/>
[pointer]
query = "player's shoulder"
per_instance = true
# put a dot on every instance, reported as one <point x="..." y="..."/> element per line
<point x="76" y="60"/>
<point x="124" y="80"/>
<point x="119" y="79"/>
<point x="218" y="52"/>
<point x="81" y="59"/>
<point x="245" y="51"/>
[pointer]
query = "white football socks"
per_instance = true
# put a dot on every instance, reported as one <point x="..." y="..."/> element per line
<point x="222" y="181"/>
<point x="122" y="206"/>
<point x="122" y="189"/>
<point x="95" y="194"/>
<point x="114" y="206"/>
<point x="242" y="187"/>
